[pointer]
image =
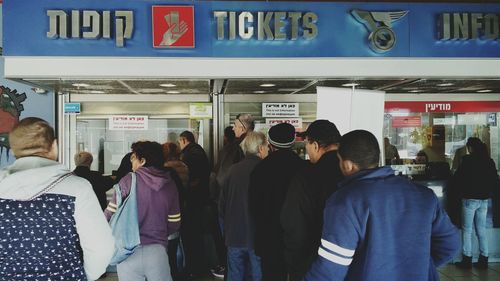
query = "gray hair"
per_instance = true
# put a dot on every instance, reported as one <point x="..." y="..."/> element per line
<point x="250" y="145"/>
<point x="83" y="158"/>
<point x="247" y="120"/>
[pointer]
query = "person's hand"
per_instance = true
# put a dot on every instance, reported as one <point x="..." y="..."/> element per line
<point x="170" y="37"/>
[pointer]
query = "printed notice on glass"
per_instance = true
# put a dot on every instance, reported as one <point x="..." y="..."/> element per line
<point x="280" y="109"/>
<point x="296" y="122"/>
<point x="128" y="122"/>
<point x="200" y="110"/>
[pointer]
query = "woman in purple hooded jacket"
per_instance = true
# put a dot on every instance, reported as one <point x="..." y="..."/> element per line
<point x="158" y="212"/>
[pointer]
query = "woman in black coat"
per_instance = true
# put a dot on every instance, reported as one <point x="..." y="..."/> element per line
<point x="476" y="179"/>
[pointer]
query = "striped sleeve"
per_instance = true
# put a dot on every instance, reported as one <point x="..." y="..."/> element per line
<point x="111" y="208"/>
<point x="174" y="211"/>
<point x="338" y="243"/>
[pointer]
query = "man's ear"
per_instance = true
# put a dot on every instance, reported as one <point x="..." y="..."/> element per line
<point x="348" y="167"/>
<point x="316" y="146"/>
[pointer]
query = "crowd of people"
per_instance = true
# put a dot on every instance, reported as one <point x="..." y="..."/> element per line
<point x="271" y="215"/>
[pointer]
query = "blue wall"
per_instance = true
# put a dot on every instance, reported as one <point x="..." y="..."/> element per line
<point x="37" y="105"/>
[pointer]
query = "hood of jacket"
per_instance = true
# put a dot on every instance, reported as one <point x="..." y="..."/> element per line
<point x="29" y="175"/>
<point x="153" y="178"/>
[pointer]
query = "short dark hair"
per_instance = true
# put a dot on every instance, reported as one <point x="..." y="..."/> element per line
<point x="478" y="147"/>
<point x="361" y="147"/>
<point x="322" y="131"/>
<point x="229" y="134"/>
<point x="422" y="153"/>
<point x="188" y="136"/>
<point x="151" y="151"/>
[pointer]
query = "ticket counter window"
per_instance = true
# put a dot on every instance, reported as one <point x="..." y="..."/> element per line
<point x="108" y="146"/>
<point x="442" y="136"/>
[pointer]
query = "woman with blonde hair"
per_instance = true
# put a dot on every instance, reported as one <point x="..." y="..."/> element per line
<point x="51" y="223"/>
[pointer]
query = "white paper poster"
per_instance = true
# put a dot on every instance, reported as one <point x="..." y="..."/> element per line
<point x="128" y="122"/>
<point x="200" y="110"/>
<point x="280" y="109"/>
<point x="296" y="122"/>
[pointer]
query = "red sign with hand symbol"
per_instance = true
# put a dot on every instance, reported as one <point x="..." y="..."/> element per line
<point x="173" y="26"/>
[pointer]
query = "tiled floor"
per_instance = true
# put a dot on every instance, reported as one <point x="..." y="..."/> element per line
<point x="453" y="273"/>
<point x="447" y="273"/>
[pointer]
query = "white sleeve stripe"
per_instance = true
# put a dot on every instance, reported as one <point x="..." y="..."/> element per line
<point x="174" y="220"/>
<point x="337" y="249"/>
<point x="112" y="205"/>
<point x="334" y="258"/>
<point x="174" y="216"/>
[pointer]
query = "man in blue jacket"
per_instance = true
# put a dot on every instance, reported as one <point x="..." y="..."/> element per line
<point x="378" y="226"/>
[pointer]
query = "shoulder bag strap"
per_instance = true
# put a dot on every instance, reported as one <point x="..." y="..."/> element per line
<point x="49" y="187"/>
<point x="118" y="191"/>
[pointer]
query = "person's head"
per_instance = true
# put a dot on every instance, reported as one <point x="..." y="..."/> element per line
<point x="421" y="158"/>
<point x="281" y="136"/>
<point x="476" y="147"/>
<point x="320" y="137"/>
<point x="243" y="123"/>
<point x="229" y="136"/>
<point x="83" y="158"/>
<point x="255" y="143"/>
<point x="358" y="150"/>
<point x="124" y="168"/>
<point x="171" y="151"/>
<point x="186" y="138"/>
<point x="386" y="141"/>
<point x="146" y="154"/>
<point x="33" y="137"/>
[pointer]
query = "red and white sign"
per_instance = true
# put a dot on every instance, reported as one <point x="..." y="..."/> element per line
<point x="296" y="122"/>
<point x="406" y="121"/>
<point x="442" y="106"/>
<point x="128" y="122"/>
<point x="173" y="26"/>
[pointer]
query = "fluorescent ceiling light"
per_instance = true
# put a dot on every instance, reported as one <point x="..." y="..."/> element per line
<point x="96" y="92"/>
<point x="444" y="84"/>
<point x="259" y="92"/>
<point x="415" y="91"/>
<point x="151" y="91"/>
<point x="484" y="91"/>
<point x="350" y="84"/>
<point x="169" y="85"/>
<point x="267" y="85"/>
<point x="80" y="85"/>
<point x="173" y="92"/>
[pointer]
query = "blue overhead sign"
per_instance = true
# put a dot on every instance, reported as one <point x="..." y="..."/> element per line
<point x="72" y="108"/>
<point x="149" y="28"/>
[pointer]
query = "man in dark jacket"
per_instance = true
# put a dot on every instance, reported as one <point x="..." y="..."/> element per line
<point x="230" y="154"/>
<point x="269" y="183"/>
<point x="302" y="213"/>
<point x="100" y="184"/>
<point x="234" y="211"/>
<point x="379" y="226"/>
<point x="196" y="201"/>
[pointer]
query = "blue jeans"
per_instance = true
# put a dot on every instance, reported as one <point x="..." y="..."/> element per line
<point x="474" y="212"/>
<point x="238" y="261"/>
